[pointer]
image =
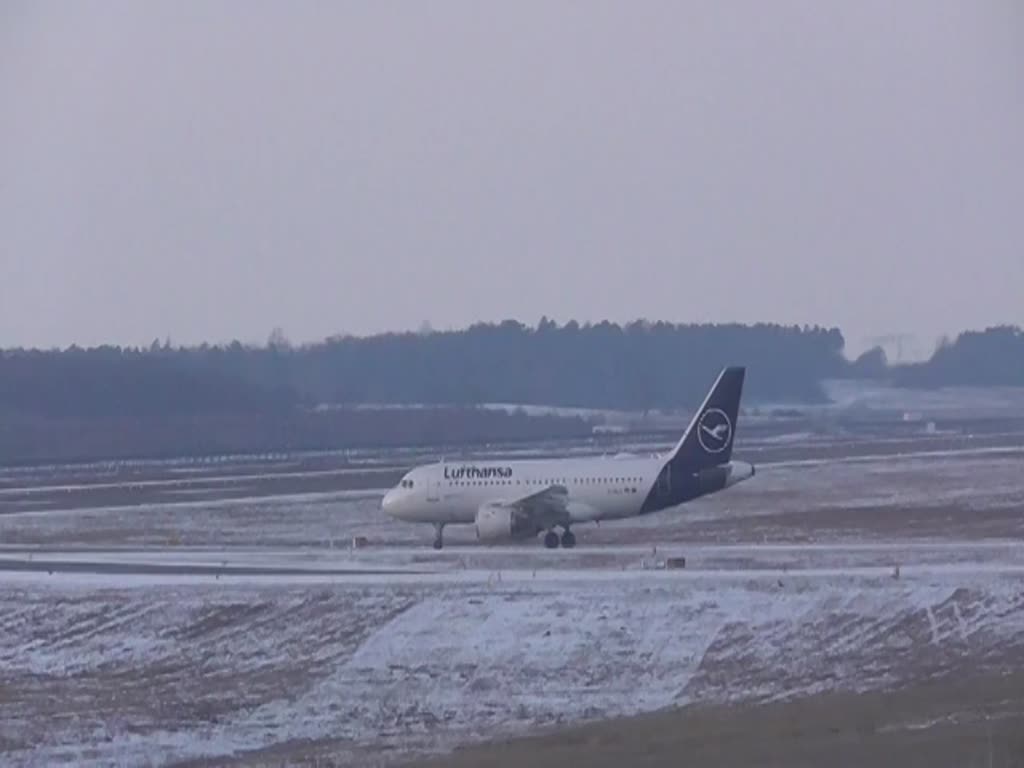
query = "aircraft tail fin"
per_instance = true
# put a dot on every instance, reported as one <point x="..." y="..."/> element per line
<point x="708" y="439"/>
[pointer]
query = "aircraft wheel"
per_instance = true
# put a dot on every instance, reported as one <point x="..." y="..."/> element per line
<point x="438" y="536"/>
<point x="568" y="539"/>
<point x="551" y="540"/>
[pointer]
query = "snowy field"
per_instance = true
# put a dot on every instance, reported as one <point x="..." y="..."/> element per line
<point x="184" y="629"/>
<point x="101" y="673"/>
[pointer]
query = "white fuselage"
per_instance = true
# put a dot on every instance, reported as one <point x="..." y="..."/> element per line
<point x="598" y="488"/>
<point x="513" y="500"/>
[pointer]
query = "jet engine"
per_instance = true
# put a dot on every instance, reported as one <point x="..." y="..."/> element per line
<point x="498" y="522"/>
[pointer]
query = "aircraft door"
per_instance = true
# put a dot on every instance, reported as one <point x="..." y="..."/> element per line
<point x="433" y="489"/>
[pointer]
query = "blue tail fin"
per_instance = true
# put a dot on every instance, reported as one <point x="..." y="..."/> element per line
<point x="698" y="463"/>
<point x="708" y="440"/>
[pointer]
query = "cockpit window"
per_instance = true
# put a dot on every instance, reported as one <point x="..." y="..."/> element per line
<point x="407" y="483"/>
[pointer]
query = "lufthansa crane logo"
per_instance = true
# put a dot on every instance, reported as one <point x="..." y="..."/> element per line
<point x="714" y="431"/>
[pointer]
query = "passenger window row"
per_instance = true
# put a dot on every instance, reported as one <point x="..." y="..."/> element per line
<point x="555" y="481"/>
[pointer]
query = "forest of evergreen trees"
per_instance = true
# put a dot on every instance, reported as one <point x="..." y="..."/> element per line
<point x="640" y="365"/>
<point x="238" y="397"/>
<point x="989" y="358"/>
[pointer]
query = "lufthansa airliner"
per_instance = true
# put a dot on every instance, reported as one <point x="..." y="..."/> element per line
<point x="517" y="500"/>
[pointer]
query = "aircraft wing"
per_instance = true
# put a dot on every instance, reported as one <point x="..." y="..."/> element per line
<point x="547" y="507"/>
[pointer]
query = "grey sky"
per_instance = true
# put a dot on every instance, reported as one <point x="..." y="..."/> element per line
<point x="207" y="171"/>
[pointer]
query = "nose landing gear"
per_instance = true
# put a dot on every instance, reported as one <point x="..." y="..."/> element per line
<point x="438" y="535"/>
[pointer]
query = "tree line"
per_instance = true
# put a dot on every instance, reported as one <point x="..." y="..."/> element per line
<point x="990" y="358"/>
<point x="604" y="365"/>
<point x="640" y="365"/>
<point x="164" y="399"/>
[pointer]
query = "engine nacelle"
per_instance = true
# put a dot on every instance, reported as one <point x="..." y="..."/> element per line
<point x="498" y="522"/>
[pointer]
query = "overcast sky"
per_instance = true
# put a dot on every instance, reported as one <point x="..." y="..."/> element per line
<point x="208" y="171"/>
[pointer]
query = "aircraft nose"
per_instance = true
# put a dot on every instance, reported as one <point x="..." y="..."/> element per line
<point x="388" y="503"/>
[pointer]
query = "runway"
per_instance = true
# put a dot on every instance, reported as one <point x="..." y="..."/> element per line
<point x="465" y="564"/>
<point x="135" y="568"/>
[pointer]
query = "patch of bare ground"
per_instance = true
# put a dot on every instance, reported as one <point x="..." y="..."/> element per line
<point x="964" y="719"/>
<point x="960" y="720"/>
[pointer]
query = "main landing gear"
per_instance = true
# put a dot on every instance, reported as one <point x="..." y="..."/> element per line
<point x="438" y="535"/>
<point x="567" y="540"/>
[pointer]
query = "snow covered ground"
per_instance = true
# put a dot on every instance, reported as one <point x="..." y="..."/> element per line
<point x="863" y="572"/>
<point x="919" y="493"/>
<point x="97" y="671"/>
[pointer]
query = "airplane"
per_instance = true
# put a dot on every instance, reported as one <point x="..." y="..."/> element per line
<point x="516" y="500"/>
